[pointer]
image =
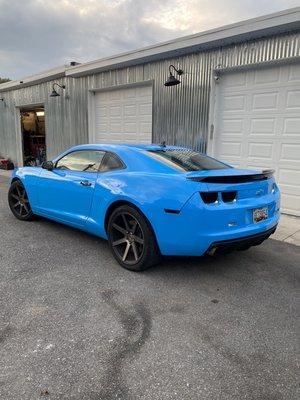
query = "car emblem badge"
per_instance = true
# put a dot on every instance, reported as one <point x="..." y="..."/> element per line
<point x="260" y="192"/>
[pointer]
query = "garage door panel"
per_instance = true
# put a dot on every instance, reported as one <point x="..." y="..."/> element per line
<point x="231" y="148"/>
<point x="289" y="177"/>
<point x="144" y="91"/>
<point x="111" y="95"/>
<point x="145" y="108"/>
<point x="123" y="115"/>
<point x="262" y="126"/>
<point x="266" y="76"/>
<point x="145" y="128"/>
<point x="102" y="128"/>
<point x="130" y="110"/>
<point x="130" y="127"/>
<point x="234" y="162"/>
<point x="289" y="204"/>
<point x="237" y="80"/>
<point x="265" y="101"/>
<point x="290" y="190"/>
<point x="234" y="103"/>
<point x="294" y="73"/>
<point x="104" y="96"/>
<point x="293" y="99"/>
<point x="101" y="111"/>
<point x="232" y="126"/>
<point x="116" y="127"/>
<point x="261" y="150"/>
<point x="290" y="152"/>
<point x="115" y="111"/>
<point x="257" y="125"/>
<point x="291" y="126"/>
<point x="256" y="166"/>
<point x="128" y="94"/>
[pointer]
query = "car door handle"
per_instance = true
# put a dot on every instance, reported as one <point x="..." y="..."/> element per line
<point x="85" y="183"/>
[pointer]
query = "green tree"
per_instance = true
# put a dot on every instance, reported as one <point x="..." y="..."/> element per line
<point x="3" y="80"/>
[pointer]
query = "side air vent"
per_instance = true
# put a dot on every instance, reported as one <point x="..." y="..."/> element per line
<point x="209" y="197"/>
<point x="171" y="211"/>
<point x="228" y="197"/>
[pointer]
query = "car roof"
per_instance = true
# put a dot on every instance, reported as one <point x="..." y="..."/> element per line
<point x="118" y="146"/>
<point x="133" y="155"/>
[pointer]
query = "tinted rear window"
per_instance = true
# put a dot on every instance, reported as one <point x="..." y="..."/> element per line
<point x="186" y="160"/>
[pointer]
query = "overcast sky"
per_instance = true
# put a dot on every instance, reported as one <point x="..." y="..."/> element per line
<point x="40" y="34"/>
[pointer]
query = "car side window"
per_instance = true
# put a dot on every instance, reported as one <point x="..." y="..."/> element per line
<point x="82" y="160"/>
<point x="111" y="162"/>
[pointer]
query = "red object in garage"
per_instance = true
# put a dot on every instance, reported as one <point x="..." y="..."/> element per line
<point x="5" y="163"/>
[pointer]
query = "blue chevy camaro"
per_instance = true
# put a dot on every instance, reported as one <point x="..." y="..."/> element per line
<point x="150" y="200"/>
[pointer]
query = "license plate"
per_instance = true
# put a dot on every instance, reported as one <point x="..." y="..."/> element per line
<point x="259" y="214"/>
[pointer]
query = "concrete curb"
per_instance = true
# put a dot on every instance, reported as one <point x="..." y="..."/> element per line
<point x="288" y="230"/>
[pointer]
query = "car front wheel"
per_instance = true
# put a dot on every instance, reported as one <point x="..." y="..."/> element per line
<point x="19" y="203"/>
<point x="131" y="239"/>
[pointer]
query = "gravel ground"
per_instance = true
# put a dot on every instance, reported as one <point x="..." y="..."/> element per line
<point x="74" y="325"/>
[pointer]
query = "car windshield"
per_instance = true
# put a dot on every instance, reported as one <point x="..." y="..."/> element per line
<point x="186" y="160"/>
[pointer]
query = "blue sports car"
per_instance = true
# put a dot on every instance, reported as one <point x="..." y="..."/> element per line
<point x="150" y="200"/>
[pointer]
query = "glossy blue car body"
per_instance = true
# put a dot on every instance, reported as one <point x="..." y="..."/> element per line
<point x="183" y="224"/>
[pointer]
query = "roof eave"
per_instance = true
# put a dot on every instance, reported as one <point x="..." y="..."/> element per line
<point x="45" y="76"/>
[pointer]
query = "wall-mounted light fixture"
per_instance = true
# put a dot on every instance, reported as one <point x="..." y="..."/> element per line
<point x="54" y="92"/>
<point x="217" y="76"/>
<point x="217" y="73"/>
<point x="172" y="81"/>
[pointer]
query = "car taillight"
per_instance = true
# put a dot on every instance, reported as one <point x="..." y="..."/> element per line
<point x="229" y="197"/>
<point x="209" y="197"/>
<point x="213" y="197"/>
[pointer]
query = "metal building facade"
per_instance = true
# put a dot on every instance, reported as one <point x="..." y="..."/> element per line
<point x="180" y="113"/>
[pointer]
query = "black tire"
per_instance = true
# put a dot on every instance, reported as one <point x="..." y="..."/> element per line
<point x="132" y="240"/>
<point x="19" y="203"/>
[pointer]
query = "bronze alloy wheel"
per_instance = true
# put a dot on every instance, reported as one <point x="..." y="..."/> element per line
<point x="127" y="238"/>
<point x="19" y="202"/>
<point x="132" y="239"/>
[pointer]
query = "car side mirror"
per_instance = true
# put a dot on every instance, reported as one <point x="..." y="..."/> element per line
<point x="48" y="165"/>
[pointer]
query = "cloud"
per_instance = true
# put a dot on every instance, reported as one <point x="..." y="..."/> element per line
<point x="41" y="34"/>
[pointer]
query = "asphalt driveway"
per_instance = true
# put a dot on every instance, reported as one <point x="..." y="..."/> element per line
<point x="74" y="325"/>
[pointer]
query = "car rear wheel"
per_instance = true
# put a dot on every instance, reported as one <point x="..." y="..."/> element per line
<point x="132" y="240"/>
<point x="19" y="203"/>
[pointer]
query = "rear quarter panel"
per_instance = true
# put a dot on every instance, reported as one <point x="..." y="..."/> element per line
<point x="151" y="193"/>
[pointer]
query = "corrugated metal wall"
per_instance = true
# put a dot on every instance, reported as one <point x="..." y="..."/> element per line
<point x="180" y="113"/>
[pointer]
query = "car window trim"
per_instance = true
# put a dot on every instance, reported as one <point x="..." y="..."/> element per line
<point x="76" y="151"/>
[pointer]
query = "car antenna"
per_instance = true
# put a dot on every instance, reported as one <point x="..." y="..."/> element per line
<point x="163" y="144"/>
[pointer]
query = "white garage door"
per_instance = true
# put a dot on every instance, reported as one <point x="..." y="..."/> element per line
<point x="257" y="124"/>
<point x="123" y="115"/>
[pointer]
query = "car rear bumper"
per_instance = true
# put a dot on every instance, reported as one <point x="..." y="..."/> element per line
<point x="197" y="227"/>
<point x="240" y="243"/>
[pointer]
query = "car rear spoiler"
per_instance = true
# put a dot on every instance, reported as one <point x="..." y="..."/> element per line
<point x="265" y="174"/>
